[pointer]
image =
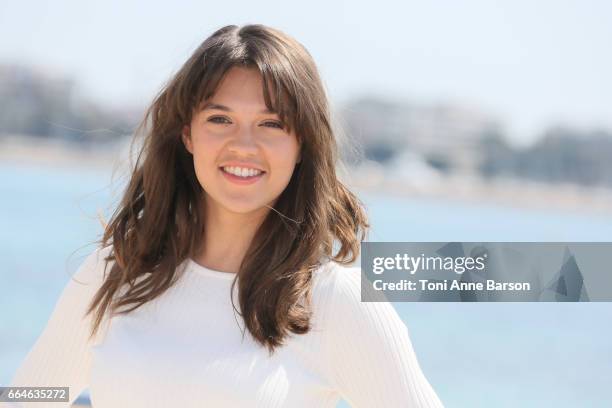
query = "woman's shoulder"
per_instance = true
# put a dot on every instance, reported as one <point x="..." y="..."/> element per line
<point x="92" y="270"/>
<point x="343" y="282"/>
<point x="333" y="278"/>
<point x="338" y="296"/>
<point x="332" y="269"/>
<point x="336" y="287"/>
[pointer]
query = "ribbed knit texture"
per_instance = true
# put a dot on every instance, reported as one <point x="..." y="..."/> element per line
<point x="186" y="349"/>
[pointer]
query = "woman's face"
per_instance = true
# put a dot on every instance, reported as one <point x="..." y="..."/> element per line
<point x="243" y="156"/>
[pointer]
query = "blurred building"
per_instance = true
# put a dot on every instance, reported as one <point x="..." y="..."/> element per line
<point x="445" y="136"/>
<point x="37" y="102"/>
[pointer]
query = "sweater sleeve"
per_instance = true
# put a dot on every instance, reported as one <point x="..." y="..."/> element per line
<point x="61" y="355"/>
<point x="369" y="355"/>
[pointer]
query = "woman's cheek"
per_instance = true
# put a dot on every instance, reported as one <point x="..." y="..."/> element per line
<point x="207" y="144"/>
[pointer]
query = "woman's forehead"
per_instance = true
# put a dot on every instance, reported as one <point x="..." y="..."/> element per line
<point x="239" y="89"/>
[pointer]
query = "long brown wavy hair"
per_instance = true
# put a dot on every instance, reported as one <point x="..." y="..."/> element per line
<point x="158" y="225"/>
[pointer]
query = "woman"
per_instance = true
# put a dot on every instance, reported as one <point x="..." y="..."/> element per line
<point x="233" y="197"/>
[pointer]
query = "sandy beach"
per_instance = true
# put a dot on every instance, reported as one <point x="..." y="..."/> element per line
<point x="44" y="151"/>
<point x="507" y="193"/>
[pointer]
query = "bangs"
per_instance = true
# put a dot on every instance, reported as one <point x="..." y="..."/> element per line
<point x="277" y="96"/>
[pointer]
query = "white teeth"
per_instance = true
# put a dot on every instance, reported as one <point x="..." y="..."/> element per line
<point x="242" y="171"/>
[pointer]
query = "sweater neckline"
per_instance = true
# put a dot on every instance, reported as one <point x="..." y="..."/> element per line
<point x="202" y="270"/>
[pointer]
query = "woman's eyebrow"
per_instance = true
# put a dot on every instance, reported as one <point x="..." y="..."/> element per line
<point x="227" y="109"/>
<point x="216" y="106"/>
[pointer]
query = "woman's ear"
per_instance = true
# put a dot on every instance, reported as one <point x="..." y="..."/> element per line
<point x="186" y="137"/>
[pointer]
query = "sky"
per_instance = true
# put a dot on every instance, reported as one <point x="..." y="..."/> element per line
<point x="529" y="64"/>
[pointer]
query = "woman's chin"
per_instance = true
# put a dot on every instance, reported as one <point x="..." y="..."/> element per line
<point x="245" y="208"/>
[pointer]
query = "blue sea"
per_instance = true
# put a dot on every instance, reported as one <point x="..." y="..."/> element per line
<point x="474" y="354"/>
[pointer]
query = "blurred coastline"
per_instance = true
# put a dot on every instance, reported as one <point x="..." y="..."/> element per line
<point x="445" y="150"/>
<point x="506" y="192"/>
<point x="368" y="176"/>
<point x="34" y="151"/>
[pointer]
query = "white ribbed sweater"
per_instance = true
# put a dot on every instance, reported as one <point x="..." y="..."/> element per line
<point x="186" y="349"/>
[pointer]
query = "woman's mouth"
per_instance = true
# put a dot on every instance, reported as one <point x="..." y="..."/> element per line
<point x="241" y="176"/>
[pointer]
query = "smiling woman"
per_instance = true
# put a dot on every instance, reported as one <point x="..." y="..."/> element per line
<point x="234" y="194"/>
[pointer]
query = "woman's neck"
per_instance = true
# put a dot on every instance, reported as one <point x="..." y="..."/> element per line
<point x="227" y="237"/>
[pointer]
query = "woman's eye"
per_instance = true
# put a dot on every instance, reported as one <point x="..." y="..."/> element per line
<point x="274" y="124"/>
<point x="218" y="119"/>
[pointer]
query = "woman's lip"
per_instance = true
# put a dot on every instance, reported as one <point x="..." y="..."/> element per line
<point x="241" y="180"/>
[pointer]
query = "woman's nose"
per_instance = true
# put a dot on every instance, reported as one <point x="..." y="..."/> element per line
<point x="244" y="142"/>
